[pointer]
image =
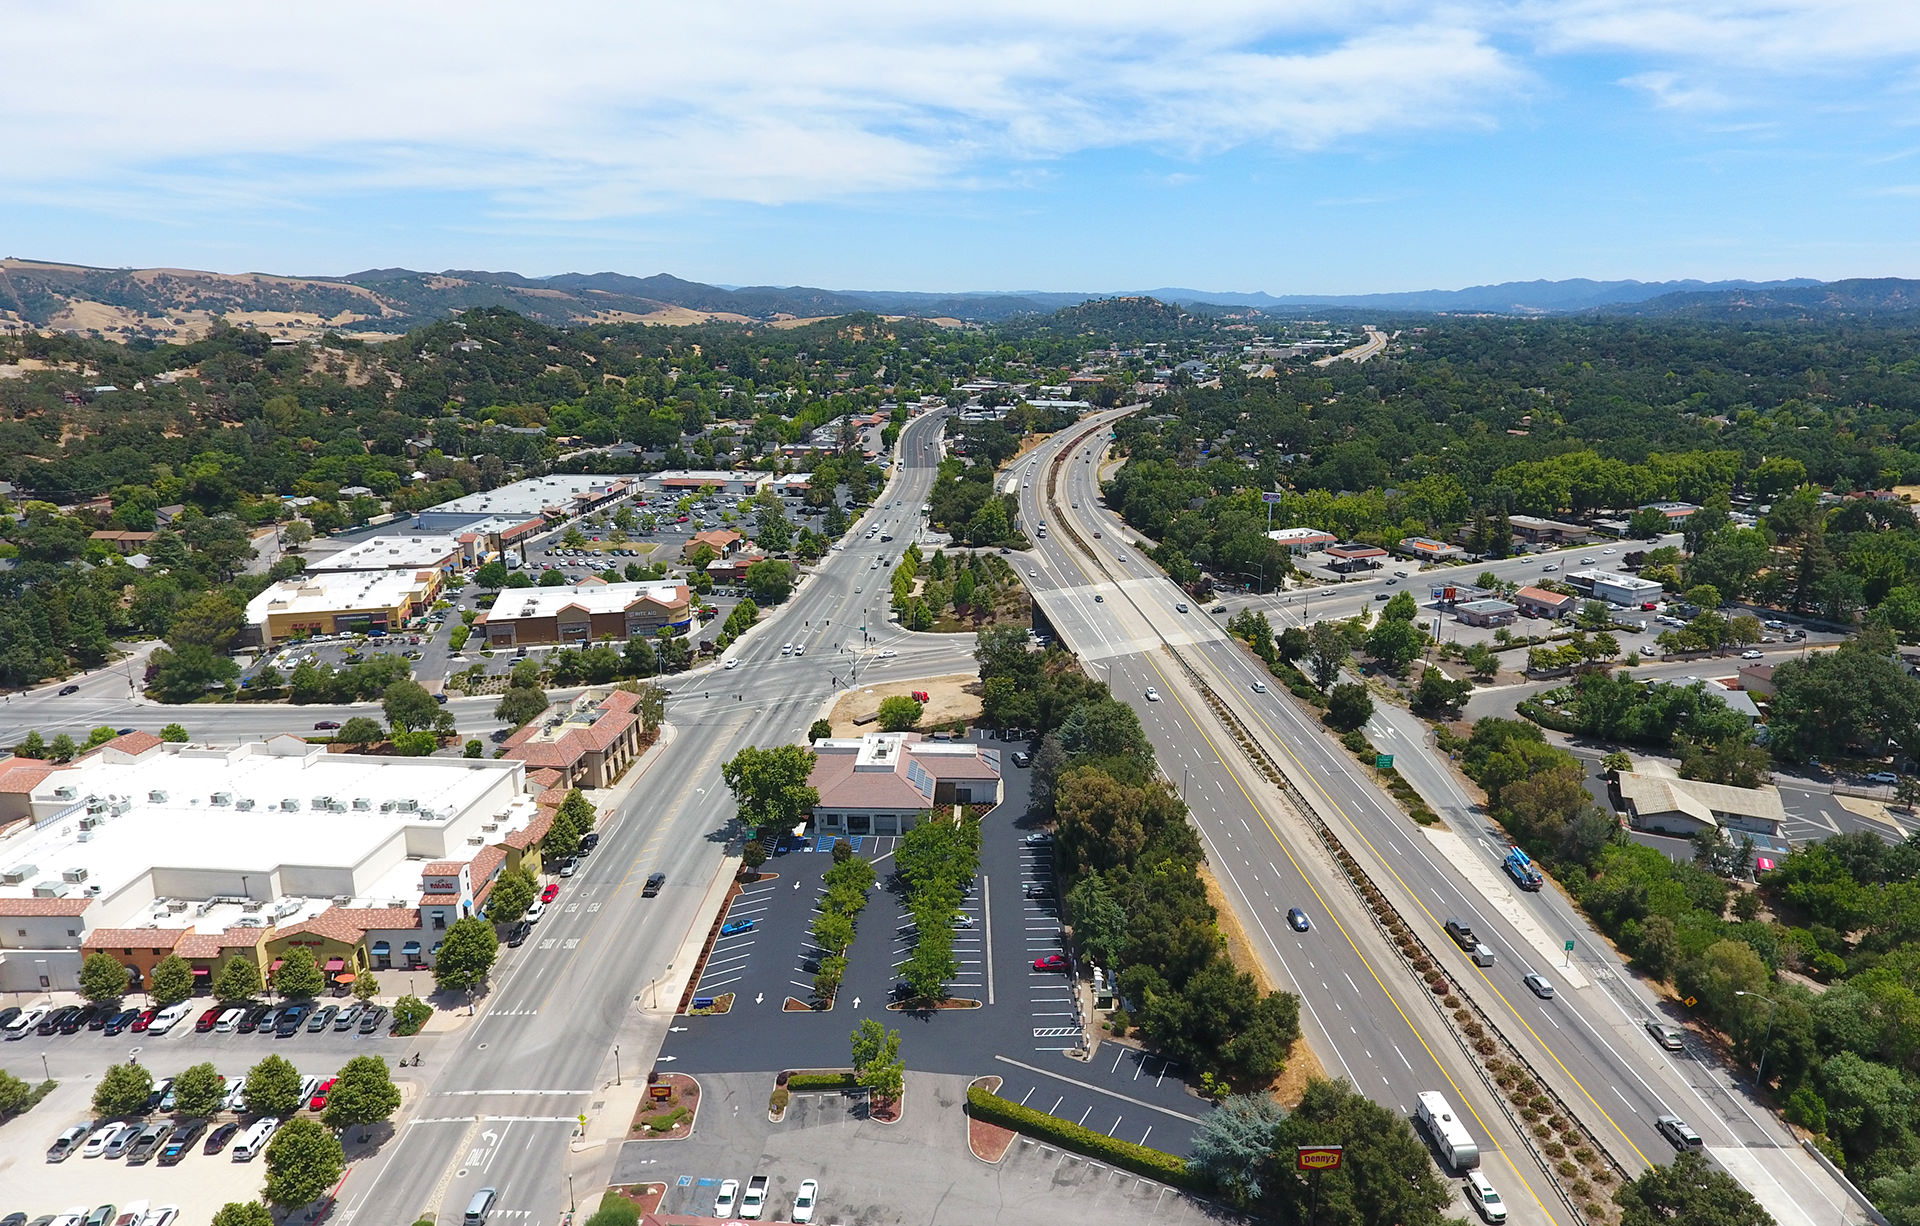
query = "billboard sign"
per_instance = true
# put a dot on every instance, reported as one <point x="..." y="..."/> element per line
<point x="1318" y="1157"/>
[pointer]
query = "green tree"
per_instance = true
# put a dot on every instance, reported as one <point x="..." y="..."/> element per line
<point x="1326" y="653"/>
<point x="1438" y="695"/>
<point x="409" y="707"/>
<point x="299" y="976"/>
<point x="102" y="977"/>
<point x="363" y="1094"/>
<point x="493" y="574"/>
<point x="14" y="1094"/>
<point x="171" y="981"/>
<point x="770" y="581"/>
<point x="899" y="713"/>
<point x="198" y="1090"/>
<point x="63" y="748"/>
<point x="244" y="1213"/>
<point x="552" y="578"/>
<point x="211" y="621"/>
<point x="473" y="748"/>
<point x="186" y="673"/>
<point x="876" y="1060"/>
<point x="303" y="1161"/>
<point x="1385" y="1177"/>
<point x="652" y="706"/>
<point x="415" y="744"/>
<point x="752" y="855"/>
<point x="521" y="704"/>
<point x="1233" y="1148"/>
<point x="513" y="892"/>
<point x="1687" y="1192"/>
<point x="174" y="734"/>
<point x="467" y="954"/>
<point x="123" y="1090"/>
<point x="770" y="785"/>
<point x="33" y="746"/>
<point x="409" y="1014"/>
<point x="273" y="1087"/>
<point x="820" y="731"/>
<point x="1349" y="707"/>
<point x="360" y="730"/>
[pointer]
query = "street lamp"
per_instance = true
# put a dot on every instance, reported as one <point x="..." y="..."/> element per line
<point x="1772" y="1006"/>
<point x="616" y="1064"/>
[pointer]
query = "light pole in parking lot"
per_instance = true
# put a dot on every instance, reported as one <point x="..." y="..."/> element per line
<point x="616" y="1064"/>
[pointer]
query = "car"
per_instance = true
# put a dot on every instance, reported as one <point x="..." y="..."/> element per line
<point x="518" y="934"/>
<point x="571" y="866"/>
<point x="326" y="725"/>
<point x="1538" y="985"/>
<point x="269" y="1020"/>
<point x="228" y="1020"/>
<point x="26" y="1023"/>
<point x="80" y="1019"/>
<point x="217" y="1139"/>
<point x="729" y="1198"/>
<point x="1484" y="1198"/>
<point x="1033" y="574"/>
<point x="345" y="1019"/>
<point x="1099" y="599"/>
<point x="290" y="1019"/>
<point x="8" y="1014"/>
<point x="589" y="841"/>
<point x="184" y="1135"/>
<point x="208" y="1020"/>
<point x="888" y="654"/>
<point x="804" y="1200"/>
<point x="319" y="1100"/>
<point x="731" y="664"/>
<point x="1750" y="654"/>
<point x="1550" y="567"/>
<point x="322" y="1018"/>
<point x="371" y="1019"/>
<point x="1259" y="687"/>
<point x="533" y="913"/>
<point x="654" y="882"/>
<point x="1380" y="596"/>
<point x="120" y="1021"/>
<point x="169" y="1017"/>
<point x="1885" y="777"/>
<point x="117" y="1147"/>
<point x="145" y="1020"/>
<point x="1774" y="624"/>
<point x="69" y="689"/>
<point x="1052" y="962"/>
<point x="96" y="1145"/>
<point x="1038" y="889"/>
<point x="754" y="1203"/>
<point x="733" y="927"/>
<point x="101" y="1216"/>
<point x="148" y="1143"/>
<point x="1297" y="919"/>
<point x="1669" y="1037"/>
<point x="251" y="1022"/>
<point x="162" y="1089"/>
<point x="52" y="1022"/>
<point x="1676" y="1130"/>
<point x="1153" y="695"/>
<point x="236" y="1098"/>
<point x="550" y="893"/>
<point x="1219" y="608"/>
<point x="165" y="1215"/>
<point x="72" y="1140"/>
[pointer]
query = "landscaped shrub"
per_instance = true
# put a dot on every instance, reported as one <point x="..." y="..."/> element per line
<point x="821" y="1081"/>
<point x="1151" y="1163"/>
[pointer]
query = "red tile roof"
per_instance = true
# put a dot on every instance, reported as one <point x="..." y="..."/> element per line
<point x="25" y="774"/>
<point x="487" y="862"/>
<point x="372" y="918"/>
<point x="134" y="938"/>
<point x="134" y="743"/>
<point x="439" y="900"/>
<point x="543" y="778"/>
<point x="18" y="907"/>
<point x="201" y="945"/>
<point x="532" y="832"/>
<point x="442" y="868"/>
<point x="335" y="923"/>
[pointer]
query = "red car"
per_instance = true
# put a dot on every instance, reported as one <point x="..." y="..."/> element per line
<point x="1052" y="962"/>
<point x="319" y="1100"/>
<point x="551" y="892"/>
<point x="144" y="1020"/>
<point x="207" y="1020"/>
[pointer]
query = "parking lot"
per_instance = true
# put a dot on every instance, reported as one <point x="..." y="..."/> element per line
<point x="1028" y="1022"/>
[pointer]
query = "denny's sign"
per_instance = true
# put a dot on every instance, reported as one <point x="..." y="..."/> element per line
<point x="1318" y="1157"/>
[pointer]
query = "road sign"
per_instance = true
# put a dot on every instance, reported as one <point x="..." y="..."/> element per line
<point x="1317" y="1157"/>
<point x="1383" y="760"/>
<point x="1692" y="1001"/>
<point x="1569" y="944"/>
<point x="1271" y="496"/>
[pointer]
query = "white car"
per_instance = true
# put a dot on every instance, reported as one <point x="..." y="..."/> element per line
<point x="803" y="1200"/>
<point x="102" y="1137"/>
<point x="729" y="1198"/>
<point x="165" y="1215"/>
<point x="22" y="1026"/>
<point x="1153" y="695"/>
<point x="1259" y="687"/>
<point x="731" y="664"/>
<point x="229" y="1021"/>
<point x="1750" y="654"/>
<point x="534" y="911"/>
<point x="168" y="1017"/>
<point x="888" y="654"/>
<point x="800" y="649"/>
<point x="1033" y="574"/>
<point x="1551" y="566"/>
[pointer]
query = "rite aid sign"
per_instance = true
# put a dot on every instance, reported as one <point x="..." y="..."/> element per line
<point x="1318" y="1158"/>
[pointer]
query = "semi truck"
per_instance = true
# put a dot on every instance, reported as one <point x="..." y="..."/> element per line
<point x="1446" y="1131"/>
<point x="1521" y="869"/>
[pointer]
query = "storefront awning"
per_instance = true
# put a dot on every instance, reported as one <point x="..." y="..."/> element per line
<point x="277" y="964"/>
<point x="200" y="971"/>
<point x="336" y="964"/>
<point x="436" y="948"/>
<point x="381" y="949"/>
<point x="411" y="947"/>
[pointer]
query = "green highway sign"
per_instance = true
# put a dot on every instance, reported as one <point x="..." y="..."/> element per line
<point x="1383" y="760"/>
<point x="1569" y="944"/>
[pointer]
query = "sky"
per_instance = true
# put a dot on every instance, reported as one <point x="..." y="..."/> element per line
<point x="1278" y="145"/>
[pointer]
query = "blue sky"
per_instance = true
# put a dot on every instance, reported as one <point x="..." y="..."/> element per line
<point x="1281" y="145"/>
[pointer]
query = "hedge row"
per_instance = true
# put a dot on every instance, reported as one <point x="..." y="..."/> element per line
<point x="1152" y="1163"/>
<point x="822" y="1081"/>
<point x="1390" y="778"/>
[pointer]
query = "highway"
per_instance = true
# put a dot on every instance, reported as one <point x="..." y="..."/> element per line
<point x="501" y="1094"/>
<point x="1589" y="1039"/>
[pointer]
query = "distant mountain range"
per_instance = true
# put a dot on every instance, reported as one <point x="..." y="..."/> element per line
<point x="167" y="304"/>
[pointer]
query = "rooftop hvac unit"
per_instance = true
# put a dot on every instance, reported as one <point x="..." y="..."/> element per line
<point x="74" y="875"/>
<point x="286" y="907"/>
<point x="322" y="802"/>
<point x="66" y="791"/>
<point x="253" y="904"/>
<point x="244" y="804"/>
<point x="93" y="889"/>
<point x="489" y="827"/>
<point x="223" y="798"/>
<point x="96" y="806"/>
<point x="341" y="900"/>
<point x="157" y="797"/>
<point x="18" y="874"/>
<point x="85" y="835"/>
<point x="88" y="823"/>
<point x="290" y="805"/>
<point x="387" y="806"/>
<point x="50" y="889"/>
<point x="362" y="804"/>
<point x="205" y="906"/>
<point x="178" y="905"/>
<point x="249" y="921"/>
<point x="474" y="840"/>
<point x="406" y="804"/>
<point x="119" y="805"/>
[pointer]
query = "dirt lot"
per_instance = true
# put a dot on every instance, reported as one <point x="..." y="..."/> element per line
<point x="949" y="698"/>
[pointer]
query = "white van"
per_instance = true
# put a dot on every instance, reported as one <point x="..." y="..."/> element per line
<point x="228" y="1021"/>
<point x="479" y="1207"/>
<point x="255" y="1139"/>
<point x="22" y="1026"/>
<point x="168" y="1017"/>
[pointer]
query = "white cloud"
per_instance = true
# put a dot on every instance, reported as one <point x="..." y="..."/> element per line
<point x="1792" y="36"/>
<point x="1669" y="90"/>
<point x="604" y="109"/>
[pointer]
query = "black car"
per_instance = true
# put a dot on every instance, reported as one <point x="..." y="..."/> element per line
<point x="100" y="1014"/>
<point x="653" y="885"/>
<point x="589" y="841"/>
<point x="218" y="1138"/>
<point x="290" y="1019"/>
<point x="256" y="1015"/>
<point x="371" y="1019"/>
<point x="184" y="1135"/>
<point x="80" y="1019"/>
<point x="517" y="935"/>
<point x="7" y="1015"/>
<point x="51" y="1023"/>
<point x="120" y="1021"/>
<point x="69" y="689"/>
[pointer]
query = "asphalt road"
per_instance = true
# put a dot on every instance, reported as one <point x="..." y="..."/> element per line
<point x="1590" y="1037"/>
<point x="502" y="1094"/>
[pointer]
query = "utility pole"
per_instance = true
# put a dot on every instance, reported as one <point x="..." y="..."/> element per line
<point x="1773" y="1006"/>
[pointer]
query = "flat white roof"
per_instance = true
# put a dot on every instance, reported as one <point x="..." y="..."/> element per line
<point x="1630" y="583"/>
<point x="158" y="812"/>
<point x="526" y="498"/>
<point x="1300" y="534"/>
<point x="522" y="602"/>
<point x="415" y="552"/>
<point x="336" y="592"/>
